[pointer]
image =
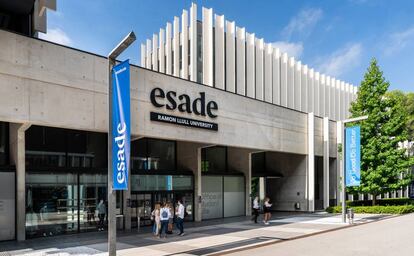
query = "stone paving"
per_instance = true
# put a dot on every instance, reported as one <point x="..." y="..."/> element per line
<point x="214" y="237"/>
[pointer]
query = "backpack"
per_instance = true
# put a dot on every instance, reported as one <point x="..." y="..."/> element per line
<point x="164" y="214"/>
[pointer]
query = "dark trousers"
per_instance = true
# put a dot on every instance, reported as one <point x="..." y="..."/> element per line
<point x="164" y="227"/>
<point x="101" y="217"/>
<point x="180" y="225"/>
<point x="255" y="215"/>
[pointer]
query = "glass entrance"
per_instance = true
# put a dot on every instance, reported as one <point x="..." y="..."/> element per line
<point x="141" y="207"/>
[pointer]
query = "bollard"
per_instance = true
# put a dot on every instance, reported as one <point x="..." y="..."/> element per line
<point x="351" y="216"/>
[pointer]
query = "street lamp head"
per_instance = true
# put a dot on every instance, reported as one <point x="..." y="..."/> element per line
<point x="127" y="41"/>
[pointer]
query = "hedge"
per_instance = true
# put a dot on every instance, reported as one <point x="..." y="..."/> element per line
<point x="378" y="209"/>
<point x="385" y="201"/>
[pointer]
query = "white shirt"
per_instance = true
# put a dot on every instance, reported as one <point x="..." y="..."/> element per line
<point x="267" y="204"/>
<point x="255" y="204"/>
<point x="180" y="211"/>
<point x="165" y="209"/>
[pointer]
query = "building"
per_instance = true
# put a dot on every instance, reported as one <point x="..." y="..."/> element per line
<point x="212" y="134"/>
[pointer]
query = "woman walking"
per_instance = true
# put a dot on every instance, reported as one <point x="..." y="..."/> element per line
<point x="157" y="221"/>
<point x="266" y="208"/>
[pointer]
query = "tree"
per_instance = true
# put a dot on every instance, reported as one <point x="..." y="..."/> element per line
<point x="408" y="104"/>
<point x="382" y="161"/>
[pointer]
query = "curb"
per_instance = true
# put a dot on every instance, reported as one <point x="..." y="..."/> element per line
<point x="249" y="247"/>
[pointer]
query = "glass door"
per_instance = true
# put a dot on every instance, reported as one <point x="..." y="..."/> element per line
<point x="92" y="190"/>
<point x="141" y="207"/>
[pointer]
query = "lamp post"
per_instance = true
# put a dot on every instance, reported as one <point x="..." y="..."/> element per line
<point x="125" y="43"/>
<point x="343" y="170"/>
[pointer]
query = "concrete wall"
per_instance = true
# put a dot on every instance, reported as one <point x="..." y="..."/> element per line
<point x="291" y="188"/>
<point x="46" y="84"/>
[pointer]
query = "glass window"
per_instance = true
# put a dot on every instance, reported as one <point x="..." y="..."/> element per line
<point x="4" y="141"/>
<point x="234" y="203"/>
<point x="92" y="189"/>
<point x="161" y="155"/>
<point x="153" y="154"/>
<point x="214" y="159"/>
<point x="258" y="163"/>
<point x="53" y="147"/>
<point x="212" y="197"/>
<point x="51" y="204"/>
<point x="161" y="182"/>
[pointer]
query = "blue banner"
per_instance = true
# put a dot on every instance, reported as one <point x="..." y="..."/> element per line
<point x="353" y="156"/>
<point x="120" y="125"/>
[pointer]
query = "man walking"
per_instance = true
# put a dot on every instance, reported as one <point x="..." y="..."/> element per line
<point x="179" y="212"/>
<point x="256" y="209"/>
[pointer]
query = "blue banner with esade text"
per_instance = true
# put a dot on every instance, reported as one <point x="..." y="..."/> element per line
<point x="120" y="125"/>
<point x="353" y="156"/>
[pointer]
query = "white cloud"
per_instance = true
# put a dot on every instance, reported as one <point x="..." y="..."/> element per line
<point x="303" y="22"/>
<point x="56" y="35"/>
<point x="398" y="41"/>
<point x="292" y="49"/>
<point x="342" y="60"/>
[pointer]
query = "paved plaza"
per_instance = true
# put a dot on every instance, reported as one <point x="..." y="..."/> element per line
<point x="207" y="238"/>
<point x="393" y="236"/>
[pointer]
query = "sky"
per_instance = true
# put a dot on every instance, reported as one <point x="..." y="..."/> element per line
<point x="335" y="37"/>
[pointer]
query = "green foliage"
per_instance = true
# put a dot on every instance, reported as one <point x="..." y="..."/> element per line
<point x="382" y="162"/>
<point x="385" y="201"/>
<point x="407" y="100"/>
<point x="378" y="209"/>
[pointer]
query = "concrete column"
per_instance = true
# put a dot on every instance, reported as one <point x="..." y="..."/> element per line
<point x="250" y="65"/>
<point x="268" y="93"/>
<point x="193" y="42"/>
<point x="304" y="89"/>
<point x="327" y="96"/>
<point x="316" y="94"/>
<point x="155" y="52"/>
<point x="241" y="60"/>
<point x="176" y="47"/>
<point x="184" y="44"/>
<point x="339" y="158"/>
<point x="276" y="76"/>
<point x="259" y="69"/>
<point x="291" y="83"/>
<point x="325" y="162"/>
<point x="283" y="80"/>
<point x="161" y="52"/>
<point x="297" y="85"/>
<point x="207" y="46"/>
<point x="168" y="49"/>
<point x="143" y="55"/>
<point x="230" y="56"/>
<point x="219" y="52"/>
<point x="189" y="158"/>
<point x="310" y="90"/>
<point x="332" y="99"/>
<point x="240" y="160"/>
<point x="149" y="58"/>
<point x="322" y="96"/>
<point x="311" y="162"/>
<point x="18" y="158"/>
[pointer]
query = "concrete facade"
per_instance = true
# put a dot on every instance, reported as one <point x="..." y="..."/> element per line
<point x="253" y="71"/>
<point x="45" y="84"/>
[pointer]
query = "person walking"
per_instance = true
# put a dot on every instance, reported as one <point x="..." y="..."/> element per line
<point x="266" y="208"/>
<point x="171" y="219"/>
<point x="180" y="213"/>
<point x="256" y="209"/>
<point x="165" y="215"/>
<point x="101" y="215"/>
<point x="155" y="215"/>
